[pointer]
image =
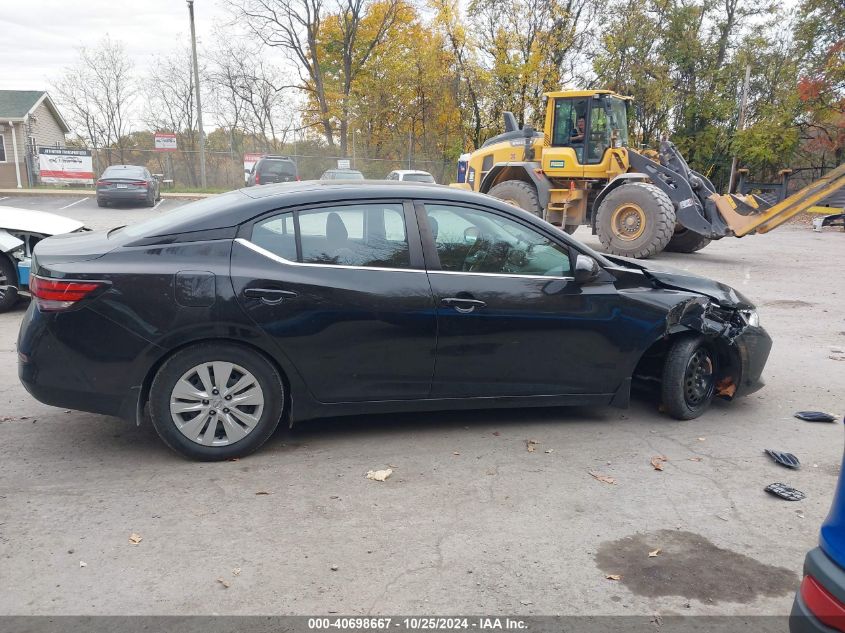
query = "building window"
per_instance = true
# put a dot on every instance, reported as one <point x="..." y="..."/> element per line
<point x="2" y="148"/>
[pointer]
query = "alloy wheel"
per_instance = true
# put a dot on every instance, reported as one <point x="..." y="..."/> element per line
<point x="216" y="403"/>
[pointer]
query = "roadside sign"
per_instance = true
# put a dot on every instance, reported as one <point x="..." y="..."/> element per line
<point x="250" y="158"/>
<point x="343" y="163"/>
<point x="165" y="142"/>
<point x="62" y="166"/>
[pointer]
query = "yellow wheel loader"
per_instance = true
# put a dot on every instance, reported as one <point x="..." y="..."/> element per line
<point x="580" y="170"/>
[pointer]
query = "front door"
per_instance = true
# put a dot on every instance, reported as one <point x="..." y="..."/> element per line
<point x="342" y="292"/>
<point x="511" y="319"/>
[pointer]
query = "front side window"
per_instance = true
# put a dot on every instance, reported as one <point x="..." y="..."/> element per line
<point x="368" y="235"/>
<point x="470" y="240"/>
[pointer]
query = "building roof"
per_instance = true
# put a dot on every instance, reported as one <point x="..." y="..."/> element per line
<point x="15" y="105"/>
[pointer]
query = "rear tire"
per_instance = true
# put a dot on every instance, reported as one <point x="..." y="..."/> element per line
<point x="173" y="403"/>
<point x="519" y="194"/>
<point x="8" y="278"/>
<point x="102" y="203"/>
<point x="686" y="241"/>
<point x="689" y="378"/>
<point x="635" y="220"/>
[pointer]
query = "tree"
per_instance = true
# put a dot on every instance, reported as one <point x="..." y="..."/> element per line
<point x="98" y="92"/>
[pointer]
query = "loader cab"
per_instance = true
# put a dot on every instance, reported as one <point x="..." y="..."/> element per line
<point x="581" y="126"/>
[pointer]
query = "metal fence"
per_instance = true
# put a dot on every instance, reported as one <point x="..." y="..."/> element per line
<point x="180" y="169"/>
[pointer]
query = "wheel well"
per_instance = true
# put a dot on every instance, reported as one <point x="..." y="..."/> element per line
<point x="501" y="174"/>
<point x="144" y="396"/>
<point x="649" y="368"/>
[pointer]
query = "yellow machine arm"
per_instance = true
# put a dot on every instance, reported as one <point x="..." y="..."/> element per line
<point x="762" y="220"/>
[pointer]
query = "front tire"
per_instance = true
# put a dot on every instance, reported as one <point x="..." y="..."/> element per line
<point x="519" y="194"/>
<point x="635" y="220"/>
<point x="9" y="279"/>
<point x="689" y="378"/>
<point x="686" y="241"/>
<point x="216" y="401"/>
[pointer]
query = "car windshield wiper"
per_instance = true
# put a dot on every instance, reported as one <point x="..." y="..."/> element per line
<point x="115" y="229"/>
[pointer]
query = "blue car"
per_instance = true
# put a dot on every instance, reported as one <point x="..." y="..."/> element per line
<point x="820" y="603"/>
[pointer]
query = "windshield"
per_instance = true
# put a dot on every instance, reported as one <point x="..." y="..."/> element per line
<point x="278" y="167"/>
<point x="123" y="172"/>
<point x="619" y="119"/>
<point x="419" y="177"/>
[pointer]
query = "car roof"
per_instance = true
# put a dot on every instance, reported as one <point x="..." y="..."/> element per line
<point x="410" y="171"/>
<point x="228" y="210"/>
<point x="125" y="167"/>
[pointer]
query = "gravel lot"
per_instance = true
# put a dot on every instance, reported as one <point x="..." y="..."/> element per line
<point x="470" y="521"/>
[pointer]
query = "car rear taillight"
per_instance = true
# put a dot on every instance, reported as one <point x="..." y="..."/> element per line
<point x="257" y="178"/>
<point x="139" y="183"/>
<point x="298" y="179"/>
<point x="54" y="295"/>
<point x="823" y="604"/>
<point x="103" y="183"/>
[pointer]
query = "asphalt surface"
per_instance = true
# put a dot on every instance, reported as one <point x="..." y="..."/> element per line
<point x="470" y="521"/>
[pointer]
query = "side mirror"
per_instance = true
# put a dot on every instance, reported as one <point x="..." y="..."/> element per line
<point x="586" y="269"/>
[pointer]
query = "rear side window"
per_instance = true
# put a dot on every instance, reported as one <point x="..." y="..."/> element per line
<point x="368" y="235"/>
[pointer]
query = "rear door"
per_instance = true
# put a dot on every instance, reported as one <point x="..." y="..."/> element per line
<point x="511" y="319"/>
<point x="342" y="291"/>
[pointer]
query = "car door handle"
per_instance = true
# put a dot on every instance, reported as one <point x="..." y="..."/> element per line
<point x="270" y="296"/>
<point x="462" y="305"/>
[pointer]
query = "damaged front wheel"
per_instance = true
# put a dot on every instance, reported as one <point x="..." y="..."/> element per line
<point x="689" y="378"/>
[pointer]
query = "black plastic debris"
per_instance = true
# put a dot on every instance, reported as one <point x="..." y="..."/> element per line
<point x="784" y="459"/>
<point x="815" y="416"/>
<point x="785" y="492"/>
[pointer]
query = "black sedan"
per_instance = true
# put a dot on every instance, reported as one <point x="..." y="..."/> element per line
<point x="127" y="183"/>
<point x="309" y="299"/>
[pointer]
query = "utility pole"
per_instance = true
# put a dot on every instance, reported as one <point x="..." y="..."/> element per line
<point x="740" y="124"/>
<point x="410" y="143"/>
<point x="203" y="182"/>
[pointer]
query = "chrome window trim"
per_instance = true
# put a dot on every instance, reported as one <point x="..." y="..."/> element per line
<point x="277" y="258"/>
<point x="508" y="275"/>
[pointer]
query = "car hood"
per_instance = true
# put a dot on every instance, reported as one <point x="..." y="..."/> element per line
<point x="29" y="221"/>
<point x="722" y="294"/>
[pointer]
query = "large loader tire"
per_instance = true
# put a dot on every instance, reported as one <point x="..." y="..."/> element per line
<point x="686" y="241"/>
<point x="635" y="220"/>
<point x="519" y="194"/>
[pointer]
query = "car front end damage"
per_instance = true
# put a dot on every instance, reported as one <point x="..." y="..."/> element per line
<point x="721" y="315"/>
<point x="741" y="344"/>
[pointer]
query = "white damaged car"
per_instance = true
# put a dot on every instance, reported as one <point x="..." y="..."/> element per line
<point x="20" y="231"/>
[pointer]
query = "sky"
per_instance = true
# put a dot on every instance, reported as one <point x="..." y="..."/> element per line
<point x="39" y="38"/>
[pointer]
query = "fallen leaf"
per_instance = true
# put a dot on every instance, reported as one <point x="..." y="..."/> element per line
<point x="82" y="563"/>
<point x="392" y="466"/>
<point x="702" y="439"/>
<point x="614" y="576"/>
<point x="525" y="602"/>
<point x="530" y="444"/>
<point x="379" y="475"/>
<point x="657" y="461"/>
<point x="236" y="571"/>
<point x="550" y="450"/>
<point x="694" y="459"/>
<point x="224" y="582"/>
<point x="262" y="492"/>
<point x="603" y="478"/>
<point x="654" y="553"/>
<point x="135" y="538"/>
<point x="456" y="453"/>
<point x="334" y="568"/>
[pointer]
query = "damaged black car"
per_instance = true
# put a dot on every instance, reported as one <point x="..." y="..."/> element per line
<point x="222" y="318"/>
